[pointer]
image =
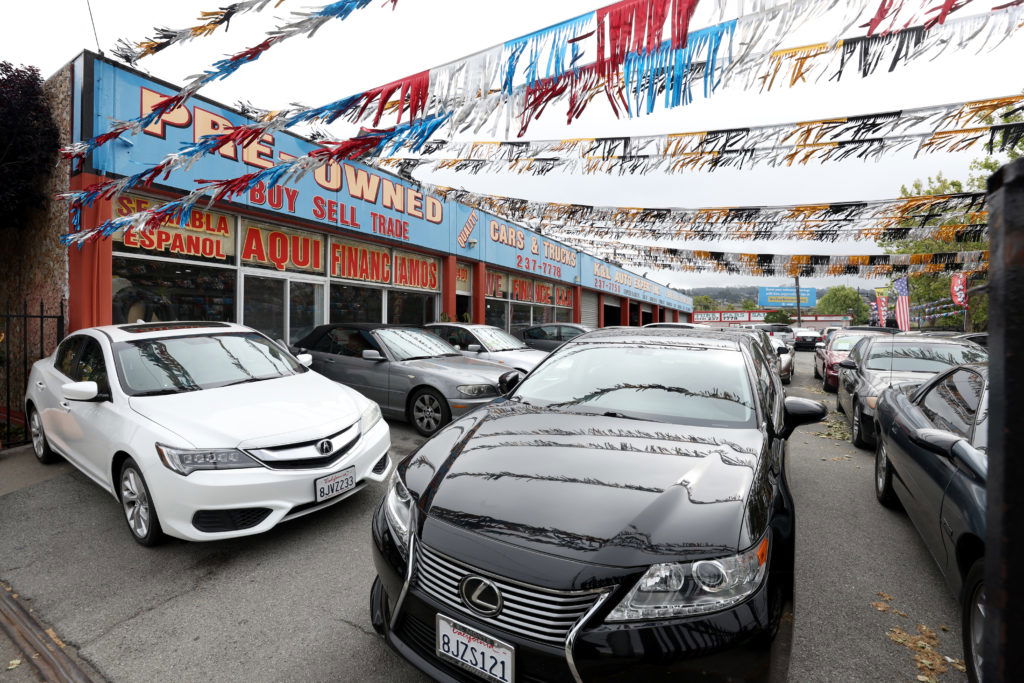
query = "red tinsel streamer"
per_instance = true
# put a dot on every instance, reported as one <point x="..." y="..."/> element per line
<point x="413" y="88"/>
<point x="637" y="25"/>
<point x="943" y="10"/>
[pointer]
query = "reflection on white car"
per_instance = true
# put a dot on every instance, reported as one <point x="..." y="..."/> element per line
<point x="202" y="430"/>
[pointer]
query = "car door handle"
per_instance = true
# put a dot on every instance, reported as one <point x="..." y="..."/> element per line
<point x="329" y="360"/>
<point x="65" y="405"/>
<point x="40" y="385"/>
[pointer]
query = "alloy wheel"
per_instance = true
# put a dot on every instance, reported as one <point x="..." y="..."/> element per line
<point x="427" y="412"/>
<point x="977" y="627"/>
<point x="135" y="502"/>
<point x="881" y="466"/>
<point x="855" y="426"/>
<point x="38" y="440"/>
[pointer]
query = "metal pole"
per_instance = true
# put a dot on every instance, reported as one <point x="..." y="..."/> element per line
<point x="1004" y="548"/>
<point x="799" y="322"/>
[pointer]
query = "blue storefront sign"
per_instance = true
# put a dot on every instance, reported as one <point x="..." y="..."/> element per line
<point x="785" y="297"/>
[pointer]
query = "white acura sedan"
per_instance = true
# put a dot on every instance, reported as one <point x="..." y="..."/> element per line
<point x="201" y="430"/>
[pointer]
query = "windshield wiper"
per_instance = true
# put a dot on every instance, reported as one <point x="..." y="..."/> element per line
<point x="163" y="392"/>
<point x="244" y="381"/>
<point x="419" y="357"/>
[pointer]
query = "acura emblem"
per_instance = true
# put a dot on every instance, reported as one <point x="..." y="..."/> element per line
<point x="481" y="596"/>
<point x="325" y="447"/>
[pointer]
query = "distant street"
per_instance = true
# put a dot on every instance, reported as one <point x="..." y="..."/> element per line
<point x="292" y="604"/>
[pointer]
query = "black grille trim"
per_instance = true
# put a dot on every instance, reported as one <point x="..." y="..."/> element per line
<point x="311" y="463"/>
<point x="213" y="521"/>
<point x="382" y="465"/>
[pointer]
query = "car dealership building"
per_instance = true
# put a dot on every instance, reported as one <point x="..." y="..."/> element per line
<point x="347" y="243"/>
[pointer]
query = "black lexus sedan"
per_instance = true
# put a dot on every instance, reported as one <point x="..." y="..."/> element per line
<point x="931" y="459"/>
<point x="622" y="513"/>
<point x="879" y="361"/>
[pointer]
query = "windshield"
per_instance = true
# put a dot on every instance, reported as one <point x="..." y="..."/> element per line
<point x="494" y="339"/>
<point x="682" y="385"/>
<point x="412" y="344"/>
<point x="846" y="342"/>
<point x="170" y="365"/>
<point x="911" y="357"/>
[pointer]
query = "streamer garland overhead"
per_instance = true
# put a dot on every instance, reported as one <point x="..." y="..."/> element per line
<point x="941" y="128"/>
<point x="305" y="23"/>
<point x="950" y="218"/>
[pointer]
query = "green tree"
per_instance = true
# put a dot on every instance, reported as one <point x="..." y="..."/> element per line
<point x="843" y="300"/>
<point x="748" y="305"/>
<point x="705" y="303"/>
<point x="778" y="317"/>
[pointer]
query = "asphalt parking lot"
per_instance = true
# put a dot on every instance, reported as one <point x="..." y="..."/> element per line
<point x="292" y="604"/>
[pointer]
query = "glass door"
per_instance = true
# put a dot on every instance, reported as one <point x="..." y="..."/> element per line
<point x="305" y="308"/>
<point x="263" y="306"/>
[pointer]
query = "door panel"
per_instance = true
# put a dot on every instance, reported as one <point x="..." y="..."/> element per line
<point x="93" y="423"/>
<point x="338" y="355"/>
<point x="52" y="408"/>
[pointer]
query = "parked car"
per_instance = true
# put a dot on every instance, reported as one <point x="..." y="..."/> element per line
<point x="931" y="458"/>
<point x="762" y="339"/>
<point x="785" y="332"/>
<point x="805" y="338"/>
<point x="877" y="362"/>
<point x="549" y="336"/>
<point x="202" y="431"/>
<point x="872" y="328"/>
<point x="785" y="354"/>
<point x="828" y="355"/>
<point x="683" y="326"/>
<point x="979" y="338"/>
<point x="490" y="343"/>
<point x="412" y="374"/>
<point x="622" y="509"/>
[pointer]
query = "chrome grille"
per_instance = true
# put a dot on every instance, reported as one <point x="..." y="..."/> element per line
<point x="529" y="611"/>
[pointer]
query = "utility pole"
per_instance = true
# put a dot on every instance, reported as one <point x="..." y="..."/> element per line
<point x="799" y="321"/>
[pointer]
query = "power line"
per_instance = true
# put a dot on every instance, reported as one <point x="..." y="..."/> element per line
<point x="95" y="35"/>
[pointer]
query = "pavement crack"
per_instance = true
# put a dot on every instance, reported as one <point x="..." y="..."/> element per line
<point x="358" y="627"/>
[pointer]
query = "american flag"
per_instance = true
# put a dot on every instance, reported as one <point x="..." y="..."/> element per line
<point x="902" y="289"/>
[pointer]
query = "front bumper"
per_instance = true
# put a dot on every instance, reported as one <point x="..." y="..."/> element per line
<point x="288" y="494"/>
<point x="831" y="376"/>
<point x="733" y="645"/>
<point x="806" y="343"/>
<point x="461" y="406"/>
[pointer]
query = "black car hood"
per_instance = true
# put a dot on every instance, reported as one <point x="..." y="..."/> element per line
<point x="612" y="491"/>
<point x="878" y="380"/>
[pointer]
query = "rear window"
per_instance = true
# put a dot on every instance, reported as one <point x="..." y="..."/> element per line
<point x="776" y="328"/>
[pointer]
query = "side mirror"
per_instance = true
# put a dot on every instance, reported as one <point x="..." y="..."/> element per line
<point x="474" y="348"/>
<point x="801" y="411"/>
<point x="936" y="441"/>
<point x="305" y="359"/>
<point x="848" y="364"/>
<point x="372" y="354"/>
<point x="509" y="381"/>
<point x="80" y="391"/>
<point x="783" y="350"/>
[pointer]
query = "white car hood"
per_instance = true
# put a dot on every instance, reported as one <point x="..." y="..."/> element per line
<point x="273" y="412"/>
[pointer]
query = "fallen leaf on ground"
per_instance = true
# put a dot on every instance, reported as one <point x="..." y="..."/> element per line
<point x="896" y="611"/>
<point x="957" y="664"/>
<point x="884" y="596"/>
<point x="13" y="664"/>
<point x="944" y="628"/>
<point x="880" y="606"/>
<point x="53" y="635"/>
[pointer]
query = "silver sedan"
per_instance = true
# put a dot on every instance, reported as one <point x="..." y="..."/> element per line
<point x="487" y="342"/>
<point x="411" y="374"/>
<point x="785" y="353"/>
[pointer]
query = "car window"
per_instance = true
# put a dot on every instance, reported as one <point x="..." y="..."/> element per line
<point x="346" y="341"/>
<point x="494" y="339"/>
<point x="952" y="404"/>
<point x="535" y="333"/>
<point x="452" y="335"/>
<point x="565" y="333"/>
<point x="91" y="366"/>
<point x="410" y="344"/>
<point x="769" y="385"/>
<point x="64" y="361"/>
<point x="981" y="424"/>
<point x="922" y="357"/>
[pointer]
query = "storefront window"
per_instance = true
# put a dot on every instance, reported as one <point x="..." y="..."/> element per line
<point x="410" y="308"/>
<point x="158" y="291"/>
<point x="305" y="308"/>
<point x="351" y="304"/>
<point x="497" y="314"/>
<point x="563" y="315"/>
<point x="463" y="308"/>
<point x="520" y="315"/>
<point x="264" y="305"/>
<point x="543" y="314"/>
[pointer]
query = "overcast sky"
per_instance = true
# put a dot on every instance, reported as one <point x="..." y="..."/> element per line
<point x="378" y="45"/>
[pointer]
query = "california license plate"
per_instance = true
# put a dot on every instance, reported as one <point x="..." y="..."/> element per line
<point x="335" y="484"/>
<point x="474" y="651"/>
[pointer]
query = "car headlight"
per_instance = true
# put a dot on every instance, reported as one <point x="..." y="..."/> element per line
<point x="186" y="461"/>
<point x="398" y="511"/>
<point x="478" y="390"/>
<point x="369" y="417"/>
<point x="688" y="588"/>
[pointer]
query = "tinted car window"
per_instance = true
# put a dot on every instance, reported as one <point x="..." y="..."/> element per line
<point x="64" y="362"/>
<point x="682" y="385"/>
<point x="565" y="333"/>
<point x="917" y="357"/>
<point x="535" y="333"/>
<point x="345" y="341"/>
<point x="408" y="344"/>
<point x="91" y="366"/>
<point x="953" y="403"/>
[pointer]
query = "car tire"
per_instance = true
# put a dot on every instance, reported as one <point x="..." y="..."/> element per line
<point x="825" y="387"/>
<point x="137" y="504"/>
<point x="817" y="375"/>
<point x="972" y="619"/>
<point x="40" y="446"/>
<point x="428" y="411"/>
<point x="884" y="491"/>
<point x="857" y="426"/>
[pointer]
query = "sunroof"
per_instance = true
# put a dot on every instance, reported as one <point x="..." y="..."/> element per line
<point x="167" y="327"/>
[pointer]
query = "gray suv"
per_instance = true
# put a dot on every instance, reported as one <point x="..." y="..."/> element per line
<point x="410" y="373"/>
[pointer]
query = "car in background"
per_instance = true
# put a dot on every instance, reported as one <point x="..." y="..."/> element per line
<point x="411" y="374"/>
<point x="549" y="336"/>
<point x="760" y="338"/>
<point x="979" y="338"/>
<point x="682" y="326"/>
<point x="621" y="511"/>
<point x="785" y="332"/>
<point x="805" y="338"/>
<point x="490" y="343"/>
<point x="785" y="354"/>
<point x="877" y="362"/>
<point x="828" y="355"/>
<point x="202" y="430"/>
<point x="872" y="328"/>
<point x="931" y="459"/>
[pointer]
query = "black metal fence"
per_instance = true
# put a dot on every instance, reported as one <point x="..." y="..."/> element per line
<point x="25" y="337"/>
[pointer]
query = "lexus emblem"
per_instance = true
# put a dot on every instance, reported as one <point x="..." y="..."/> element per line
<point x="325" y="447"/>
<point x="481" y="596"/>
